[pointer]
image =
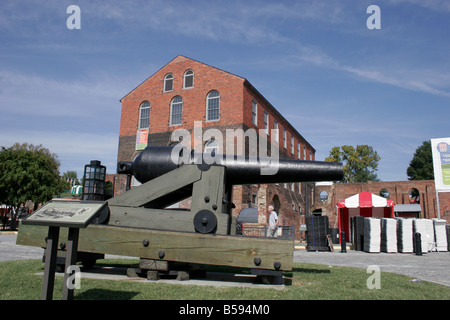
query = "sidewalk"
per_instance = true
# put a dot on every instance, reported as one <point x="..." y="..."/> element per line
<point x="5" y="232"/>
<point x="432" y="266"/>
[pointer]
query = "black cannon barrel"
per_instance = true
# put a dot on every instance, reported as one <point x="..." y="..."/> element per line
<point x="157" y="160"/>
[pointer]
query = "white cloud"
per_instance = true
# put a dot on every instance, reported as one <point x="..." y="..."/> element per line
<point x="33" y="95"/>
<point x="434" y="81"/>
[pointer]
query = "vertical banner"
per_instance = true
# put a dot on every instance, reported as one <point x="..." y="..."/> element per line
<point x="141" y="139"/>
<point x="441" y="163"/>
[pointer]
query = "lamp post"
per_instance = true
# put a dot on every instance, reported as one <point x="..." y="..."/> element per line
<point x="94" y="181"/>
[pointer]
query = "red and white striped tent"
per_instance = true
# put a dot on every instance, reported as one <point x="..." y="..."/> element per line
<point x="363" y="204"/>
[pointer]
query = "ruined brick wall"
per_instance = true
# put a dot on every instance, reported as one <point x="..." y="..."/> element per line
<point x="399" y="192"/>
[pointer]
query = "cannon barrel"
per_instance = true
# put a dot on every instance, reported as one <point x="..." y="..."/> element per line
<point x="154" y="161"/>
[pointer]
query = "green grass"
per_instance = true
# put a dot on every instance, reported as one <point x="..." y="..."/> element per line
<point x="308" y="281"/>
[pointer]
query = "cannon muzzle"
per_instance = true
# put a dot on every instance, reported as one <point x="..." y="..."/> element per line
<point x="158" y="160"/>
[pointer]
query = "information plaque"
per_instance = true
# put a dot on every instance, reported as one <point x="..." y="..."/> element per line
<point x="72" y="214"/>
<point x="66" y="213"/>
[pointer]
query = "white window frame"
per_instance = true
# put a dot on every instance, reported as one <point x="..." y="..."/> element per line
<point x="284" y="138"/>
<point x="185" y="76"/>
<point x="211" y="145"/>
<point x="166" y="78"/>
<point x="141" y="109"/>
<point x="208" y="98"/>
<point x="299" y="150"/>
<point x="254" y="112"/>
<point x="171" y="111"/>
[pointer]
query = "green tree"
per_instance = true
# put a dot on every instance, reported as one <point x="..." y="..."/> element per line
<point x="421" y="165"/>
<point x="360" y="163"/>
<point x="27" y="172"/>
<point x="70" y="175"/>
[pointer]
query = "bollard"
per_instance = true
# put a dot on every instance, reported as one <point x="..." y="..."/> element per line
<point x="418" y="244"/>
<point x="343" y="242"/>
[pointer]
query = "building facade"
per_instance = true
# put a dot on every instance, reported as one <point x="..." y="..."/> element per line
<point x="185" y="93"/>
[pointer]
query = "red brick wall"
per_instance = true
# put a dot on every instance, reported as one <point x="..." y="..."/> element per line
<point x="250" y="94"/>
<point x="206" y="78"/>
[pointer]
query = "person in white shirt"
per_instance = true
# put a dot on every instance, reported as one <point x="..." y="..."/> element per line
<point x="273" y="222"/>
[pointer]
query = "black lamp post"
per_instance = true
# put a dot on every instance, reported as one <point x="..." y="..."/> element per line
<point x="94" y="181"/>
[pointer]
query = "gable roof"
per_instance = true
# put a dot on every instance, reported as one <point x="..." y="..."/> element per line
<point x="178" y="57"/>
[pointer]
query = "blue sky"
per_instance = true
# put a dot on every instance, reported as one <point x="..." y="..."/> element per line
<point x="317" y="62"/>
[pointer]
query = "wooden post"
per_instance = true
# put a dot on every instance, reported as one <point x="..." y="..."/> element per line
<point x="50" y="263"/>
<point x="71" y="259"/>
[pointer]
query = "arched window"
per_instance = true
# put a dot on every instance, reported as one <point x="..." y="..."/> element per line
<point x="176" y="111"/>
<point x="213" y="106"/>
<point x="144" y="115"/>
<point x="212" y="145"/>
<point x="168" y="82"/>
<point x="414" y="196"/>
<point x="323" y="196"/>
<point x="188" y="79"/>
<point x="385" y="193"/>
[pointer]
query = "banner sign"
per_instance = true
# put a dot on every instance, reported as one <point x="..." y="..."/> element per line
<point x="441" y="163"/>
<point x="141" y="139"/>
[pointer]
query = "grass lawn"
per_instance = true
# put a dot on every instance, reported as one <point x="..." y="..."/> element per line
<point x="308" y="282"/>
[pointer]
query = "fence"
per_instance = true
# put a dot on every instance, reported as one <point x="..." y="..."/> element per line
<point x="284" y="232"/>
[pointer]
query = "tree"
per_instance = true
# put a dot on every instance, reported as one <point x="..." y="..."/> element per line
<point x="70" y="175"/>
<point x="360" y="163"/>
<point x="421" y="165"/>
<point x="27" y="172"/>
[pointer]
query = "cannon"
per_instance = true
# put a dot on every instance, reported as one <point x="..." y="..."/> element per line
<point x="211" y="200"/>
<point x="141" y="222"/>
<point x="157" y="160"/>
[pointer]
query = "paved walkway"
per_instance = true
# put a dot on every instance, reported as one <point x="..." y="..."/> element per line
<point x="433" y="266"/>
<point x="10" y="251"/>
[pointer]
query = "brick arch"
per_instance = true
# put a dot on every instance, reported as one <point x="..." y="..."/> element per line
<point x="384" y="192"/>
<point x="414" y="195"/>
<point x="276" y="203"/>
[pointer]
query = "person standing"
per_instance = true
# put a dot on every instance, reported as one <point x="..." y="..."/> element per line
<point x="273" y="222"/>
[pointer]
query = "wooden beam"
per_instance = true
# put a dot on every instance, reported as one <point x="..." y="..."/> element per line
<point x="158" y="187"/>
<point x="160" y="219"/>
<point x="187" y="247"/>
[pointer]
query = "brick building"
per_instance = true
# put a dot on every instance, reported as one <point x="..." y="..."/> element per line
<point x="422" y="192"/>
<point x="184" y="91"/>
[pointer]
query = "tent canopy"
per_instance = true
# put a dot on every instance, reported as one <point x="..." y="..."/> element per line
<point x="77" y="190"/>
<point x="363" y="204"/>
<point x="365" y="200"/>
